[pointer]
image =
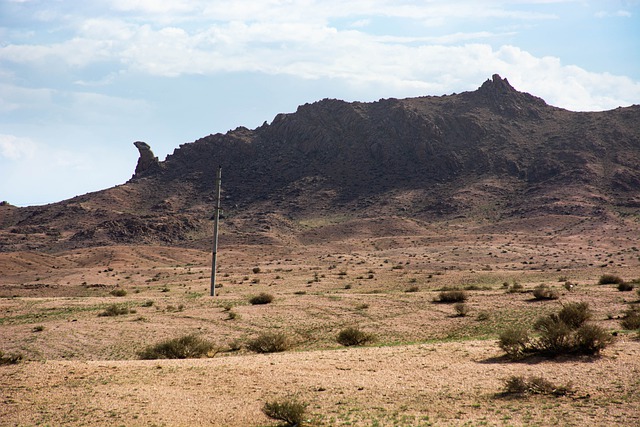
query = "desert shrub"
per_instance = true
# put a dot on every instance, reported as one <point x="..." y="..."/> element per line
<point x="516" y="288"/>
<point x="413" y="289"/>
<point x="461" y="309"/>
<point x="575" y="337"/>
<point x="631" y="318"/>
<point x="353" y="336"/>
<point x="555" y="335"/>
<point x="515" y="342"/>
<point x="38" y="328"/>
<point x="269" y="343"/>
<point x="232" y="315"/>
<point x="454" y="295"/>
<point x="262" y="298"/>
<point x="625" y="287"/>
<point x="610" y="279"/>
<point x="289" y="411"/>
<point x="483" y="316"/>
<point x="147" y="303"/>
<point x="569" y="286"/>
<point x="565" y="332"/>
<point x="542" y="292"/>
<point x="118" y="292"/>
<point x="114" y="310"/>
<point x="534" y="385"/>
<point x="10" y="359"/>
<point x="591" y="339"/>
<point x="256" y="270"/>
<point x="186" y="347"/>
<point x="574" y="314"/>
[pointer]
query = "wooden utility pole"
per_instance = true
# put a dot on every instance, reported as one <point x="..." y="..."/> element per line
<point x="216" y="218"/>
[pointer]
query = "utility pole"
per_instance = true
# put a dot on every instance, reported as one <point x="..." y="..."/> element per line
<point x="216" y="218"/>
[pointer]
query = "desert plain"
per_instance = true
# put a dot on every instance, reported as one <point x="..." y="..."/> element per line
<point x="428" y="365"/>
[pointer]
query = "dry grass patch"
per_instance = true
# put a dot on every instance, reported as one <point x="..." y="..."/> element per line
<point x="185" y="347"/>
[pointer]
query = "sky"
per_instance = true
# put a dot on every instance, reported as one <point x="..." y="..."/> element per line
<point x="80" y="81"/>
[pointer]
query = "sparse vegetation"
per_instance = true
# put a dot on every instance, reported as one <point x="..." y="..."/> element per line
<point x="353" y="336"/>
<point x="534" y="385"/>
<point x="118" y="292"/>
<point x="452" y="296"/>
<point x="631" y="318"/>
<point x="625" y="287"/>
<point x="262" y="298"/>
<point x="544" y="292"/>
<point x="610" y="279"/>
<point x="566" y="332"/>
<point x="289" y="411"/>
<point x="461" y="309"/>
<point x="269" y="343"/>
<point x="256" y="270"/>
<point x="115" y="310"/>
<point x="413" y="289"/>
<point x="10" y="359"/>
<point x="515" y="288"/>
<point x="186" y="347"/>
<point x="515" y="342"/>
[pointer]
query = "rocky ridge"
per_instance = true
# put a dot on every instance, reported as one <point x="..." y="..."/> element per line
<point x="494" y="154"/>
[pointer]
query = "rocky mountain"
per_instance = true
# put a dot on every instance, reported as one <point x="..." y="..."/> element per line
<point x="494" y="154"/>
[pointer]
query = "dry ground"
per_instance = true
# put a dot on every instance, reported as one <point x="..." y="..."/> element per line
<point x="427" y="366"/>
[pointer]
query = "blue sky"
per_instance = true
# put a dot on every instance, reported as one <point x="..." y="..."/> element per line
<point x="81" y="81"/>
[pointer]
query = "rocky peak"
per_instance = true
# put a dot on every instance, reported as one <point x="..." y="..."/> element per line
<point x="497" y="85"/>
<point x="504" y="99"/>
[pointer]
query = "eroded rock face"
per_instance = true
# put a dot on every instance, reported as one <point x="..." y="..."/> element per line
<point x="147" y="161"/>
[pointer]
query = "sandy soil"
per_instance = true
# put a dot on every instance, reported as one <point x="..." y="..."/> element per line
<point x="426" y="367"/>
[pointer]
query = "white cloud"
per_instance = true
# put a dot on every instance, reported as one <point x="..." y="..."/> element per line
<point x="616" y="14"/>
<point x="15" y="148"/>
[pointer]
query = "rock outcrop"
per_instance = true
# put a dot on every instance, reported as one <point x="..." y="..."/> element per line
<point x="147" y="161"/>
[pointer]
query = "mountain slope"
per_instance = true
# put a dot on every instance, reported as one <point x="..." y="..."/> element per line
<point x="492" y="154"/>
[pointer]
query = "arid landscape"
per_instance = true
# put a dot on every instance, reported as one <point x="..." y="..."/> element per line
<point x="87" y="285"/>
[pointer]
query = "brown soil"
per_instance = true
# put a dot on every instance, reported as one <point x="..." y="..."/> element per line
<point x="426" y="367"/>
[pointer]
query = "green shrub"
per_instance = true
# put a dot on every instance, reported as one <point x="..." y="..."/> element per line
<point x="591" y="339"/>
<point x="558" y="337"/>
<point x="555" y="335"/>
<point x="610" y="279"/>
<point x="353" y="336"/>
<point x="625" y="287"/>
<point x="451" y="296"/>
<point x="269" y="343"/>
<point x="515" y="342"/>
<point x="574" y="314"/>
<point x="114" y="310"/>
<point x="118" y="292"/>
<point x="10" y="359"/>
<point x="289" y="411"/>
<point x="262" y="298"/>
<point x="631" y="318"/>
<point x="565" y="332"/>
<point x="543" y="292"/>
<point x="461" y="309"/>
<point x="186" y="347"/>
